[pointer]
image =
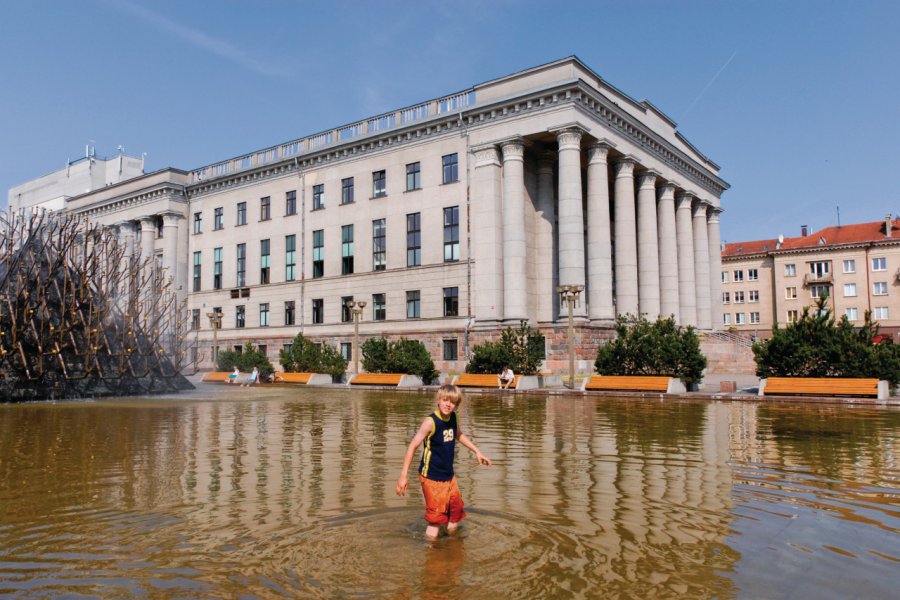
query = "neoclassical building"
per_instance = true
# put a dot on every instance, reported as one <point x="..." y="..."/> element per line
<point x="451" y="219"/>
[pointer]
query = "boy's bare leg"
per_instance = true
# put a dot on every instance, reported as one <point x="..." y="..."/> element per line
<point x="452" y="527"/>
<point x="432" y="531"/>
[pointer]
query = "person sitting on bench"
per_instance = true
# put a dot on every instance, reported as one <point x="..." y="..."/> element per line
<point x="505" y="378"/>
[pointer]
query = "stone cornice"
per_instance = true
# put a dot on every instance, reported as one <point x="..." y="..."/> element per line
<point x="162" y="191"/>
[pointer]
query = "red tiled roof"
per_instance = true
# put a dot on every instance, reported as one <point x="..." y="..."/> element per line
<point x="856" y="233"/>
<point x="753" y="247"/>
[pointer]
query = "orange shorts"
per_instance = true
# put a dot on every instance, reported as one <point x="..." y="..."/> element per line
<point x="443" y="502"/>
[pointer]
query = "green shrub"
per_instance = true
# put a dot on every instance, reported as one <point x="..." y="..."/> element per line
<point x="522" y="350"/>
<point x="245" y="360"/>
<point x="659" y="348"/>
<point x="306" y="356"/>
<point x="817" y="346"/>
<point x="399" y="356"/>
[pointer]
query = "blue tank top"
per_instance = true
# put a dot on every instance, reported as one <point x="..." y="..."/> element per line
<point x="438" y="449"/>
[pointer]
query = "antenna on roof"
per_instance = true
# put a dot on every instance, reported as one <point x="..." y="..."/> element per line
<point x="839" y="214"/>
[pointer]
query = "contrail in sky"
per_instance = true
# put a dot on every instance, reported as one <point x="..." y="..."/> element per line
<point x="711" y="81"/>
<point x="198" y="38"/>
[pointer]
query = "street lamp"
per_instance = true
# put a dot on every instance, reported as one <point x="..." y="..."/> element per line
<point x="356" y="307"/>
<point x="570" y="293"/>
<point x="215" y="321"/>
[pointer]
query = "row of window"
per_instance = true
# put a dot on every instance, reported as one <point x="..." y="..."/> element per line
<point x="741" y="318"/>
<point x="449" y="174"/>
<point x="752" y="275"/>
<point x="449" y="347"/>
<point x="348" y="252"/>
<point x="817" y="268"/>
<point x="379" y="309"/>
<point x="879" y="288"/>
<point x="880" y="313"/>
<point x="752" y="296"/>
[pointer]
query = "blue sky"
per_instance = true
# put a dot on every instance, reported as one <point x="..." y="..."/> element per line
<point x="798" y="101"/>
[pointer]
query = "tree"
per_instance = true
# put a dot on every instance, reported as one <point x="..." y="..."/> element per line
<point x="817" y="346"/>
<point x="306" y="356"/>
<point x="244" y="360"/>
<point x="522" y="350"/>
<point x="659" y="348"/>
<point x="398" y="356"/>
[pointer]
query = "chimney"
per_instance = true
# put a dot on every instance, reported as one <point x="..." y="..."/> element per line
<point x="888" y="223"/>
<point x="804" y="230"/>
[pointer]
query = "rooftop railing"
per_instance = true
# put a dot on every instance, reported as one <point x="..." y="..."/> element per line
<point x="339" y="135"/>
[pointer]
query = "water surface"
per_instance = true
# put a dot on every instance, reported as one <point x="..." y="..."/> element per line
<point x="288" y="492"/>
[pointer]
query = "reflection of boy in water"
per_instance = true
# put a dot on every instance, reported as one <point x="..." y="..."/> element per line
<point x="439" y="432"/>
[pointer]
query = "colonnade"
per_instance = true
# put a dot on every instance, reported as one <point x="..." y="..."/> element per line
<point x="139" y="239"/>
<point x="666" y="238"/>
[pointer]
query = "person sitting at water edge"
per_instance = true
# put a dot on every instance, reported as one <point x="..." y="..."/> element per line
<point x="232" y="377"/>
<point x="254" y="378"/>
<point x="505" y="378"/>
<point x="438" y="435"/>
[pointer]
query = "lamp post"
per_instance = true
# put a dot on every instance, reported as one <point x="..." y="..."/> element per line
<point x="215" y="320"/>
<point x="570" y="293"/>
<point x="356" y="307"/>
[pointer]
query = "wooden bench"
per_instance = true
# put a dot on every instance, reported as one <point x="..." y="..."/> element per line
<point x="303" y="378"/>
<point x="217" y="376"/>
<point x="824" y="386"/>
<point x="477" y="380"/>
<point x="634" y="383"/>
<point x="387" y="379"/>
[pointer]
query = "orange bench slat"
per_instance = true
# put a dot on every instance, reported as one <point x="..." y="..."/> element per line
<point x="826" y="386"/>
<point x="292" y="377"/>
<point x="377" y="379"/>
<point x="482" y="380"/>
<point x="637" y="383"/>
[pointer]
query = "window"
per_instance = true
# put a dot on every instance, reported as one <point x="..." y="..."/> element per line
<point x="347" y="351"/>
<point x="790" y="293"/>
<point x="852" y="314"/>
<point x="318" y="200"/>
<point x="242" y="213"/>
<point x="818" y="291"/>
<point x="241" y="264"/>
<point x="217" y="268"/>
<point x="379" y="184"/>
<point x="790" y="270"/>
<point x="263" y="262"/>
<point x="219" y="218"/>
<point x="451" y="302"/>
<point x="850" y="266"/>
<point x="379" y="245"/>
<point x="290" y="203"/>
<point x="239" y="316"/>
<point x="413" y="240"/>
<point x="739" y="297"/>
<point x="264" y="314"/>
<point x="754" y="318"/>
<point x="879" y="288"/>
<point x="265" y="208"/>
<point x="726" y="297"/>
<point x="346" y="313"/>
<point x="726" y="319"/>
<point x="412" y="305"/>
<point x="379" y="307"/>
<point x="318" y="253"/>
<point x="413" y="177"/>
<point x="451" y="349"/>
<point x="752" y="274"/>
<point x="738" y="276"/>
<point x="792" y="316"/>
<point x="262" y="349"/>
<point x="740" y="319"/>
<point x="290" y="312"/>
<point x="346" y="249"/>
<point x="451" y="234"/>
<point x="820" y="269"/>
<point x="881" y="312"/>
<point x="197" y="271"/>
<point x="724" y="276"/>
<point x="198" y="222"/>
<point x="318" y="311"/>
<point x="195" y="319"/>
<point x="879" y="264"/>
<point x="290" y="257"/>
<point x="449" y="168"/>
<point x="287" y="347"/>
<point x="753" y="296"/>
<point x="849" y="290"/>
<point x="347" y="190"/>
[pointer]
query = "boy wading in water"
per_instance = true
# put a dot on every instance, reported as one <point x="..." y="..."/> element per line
<point x="439" y="432"/>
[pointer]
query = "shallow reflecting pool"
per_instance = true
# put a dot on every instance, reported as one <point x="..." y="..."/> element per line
<point x="288" y="492"/>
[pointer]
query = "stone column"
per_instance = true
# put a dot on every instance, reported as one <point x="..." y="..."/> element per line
<point x="599" y="245"/>
<point x="170" y="249"/>
<point x="648" y="246"/>
<point x="687" y="294"/>
<point x="571" y="213"/>
<point x="515" y="273"/>
<point x="544" y="247"/>
<point x="148" y="246"/>
<point x="487" y="236"/>
<point x="626" y="239"/>
<point x="715" y="267"/>
<point x="701" y="266"/>
<point x="668" y="253"/>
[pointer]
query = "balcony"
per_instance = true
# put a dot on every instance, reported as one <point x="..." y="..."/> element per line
<point x="818" y="279"/>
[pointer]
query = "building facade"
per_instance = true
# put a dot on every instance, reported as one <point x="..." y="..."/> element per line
<point x="451" y="219"/>
<point x="771" y="281"/>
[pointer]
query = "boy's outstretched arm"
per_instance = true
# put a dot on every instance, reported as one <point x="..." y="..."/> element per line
<point x="465" y="441"/>
<point x="421" y="434"/>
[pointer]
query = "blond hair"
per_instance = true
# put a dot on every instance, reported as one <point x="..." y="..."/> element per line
<point x="449" y="392"/>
